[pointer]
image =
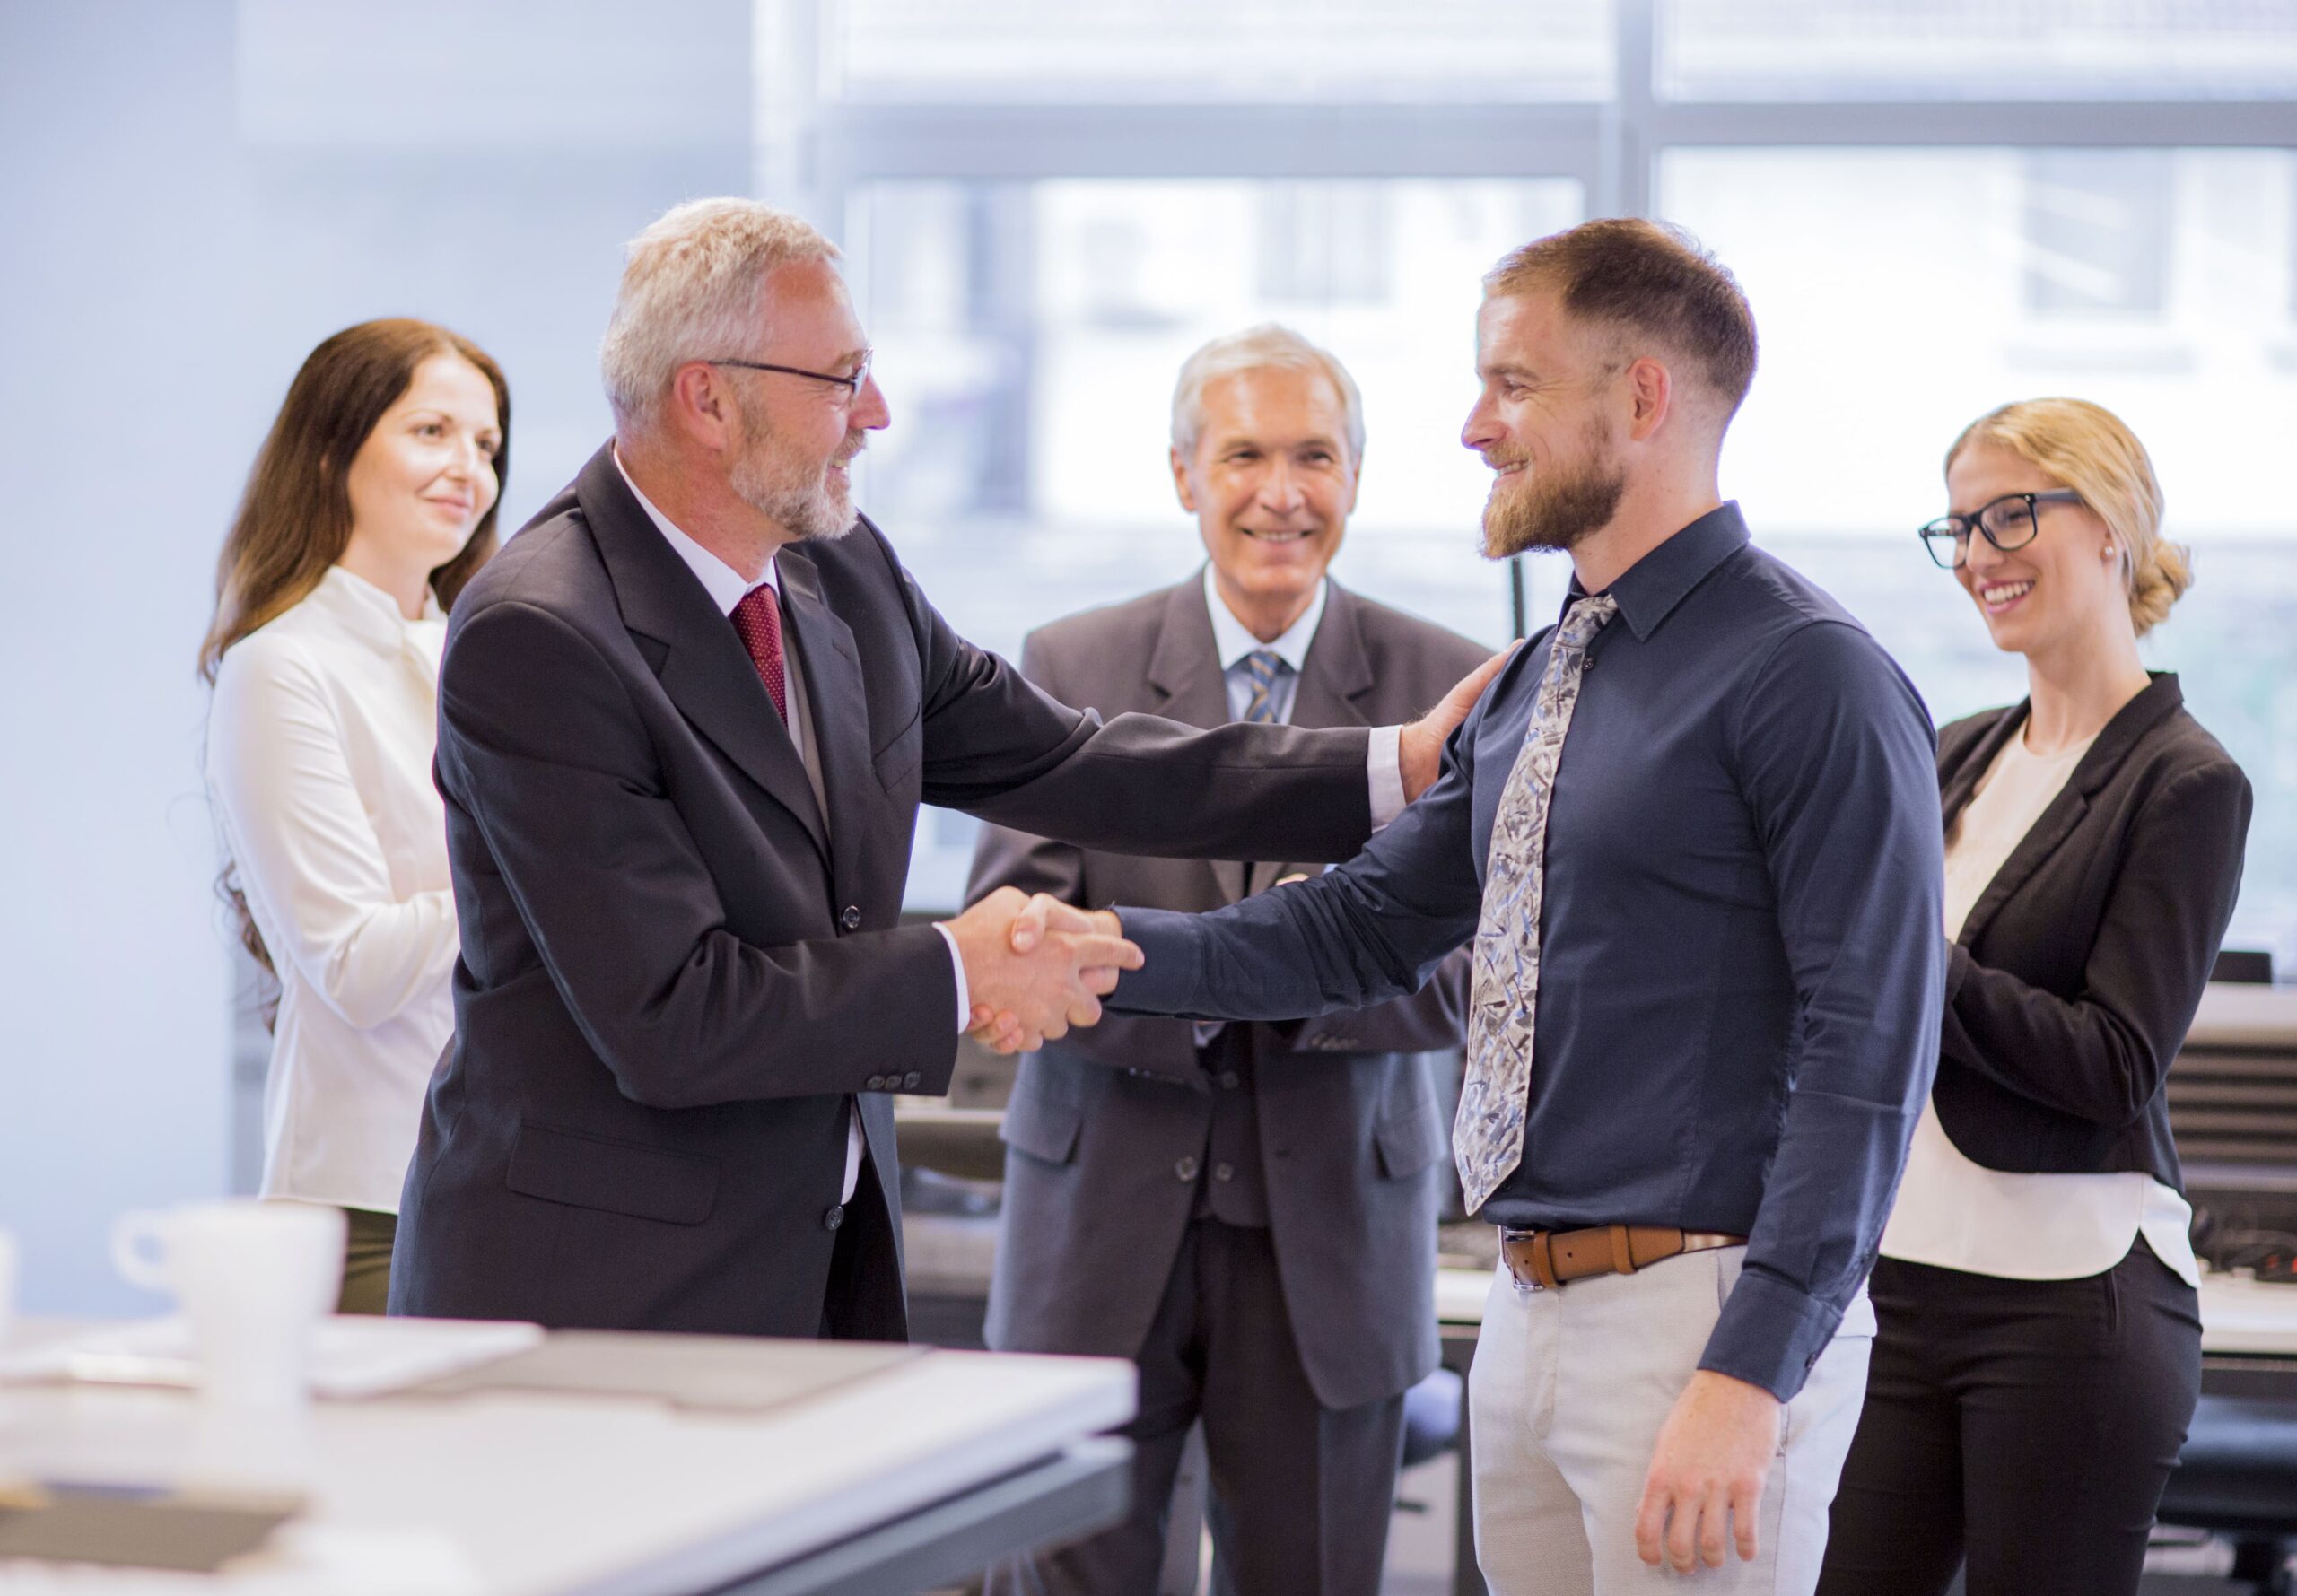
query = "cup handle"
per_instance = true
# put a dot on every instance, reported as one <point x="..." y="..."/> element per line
<point x="130" y="1234"/>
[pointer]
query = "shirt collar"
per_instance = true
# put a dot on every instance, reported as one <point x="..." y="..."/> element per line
<point x="1234" y="641"/>
<point x="1649" y="590"/>
<point x="725" y="586"/>
<point x="371" y="615"/>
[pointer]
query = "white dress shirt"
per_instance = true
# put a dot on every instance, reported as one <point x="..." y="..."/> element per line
<point x="1955" y="1214"/>
<point x="319" y="743"/>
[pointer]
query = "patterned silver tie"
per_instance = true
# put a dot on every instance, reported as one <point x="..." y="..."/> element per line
<point x="1488" y="1137"/>
<point x="1262" y="667"/>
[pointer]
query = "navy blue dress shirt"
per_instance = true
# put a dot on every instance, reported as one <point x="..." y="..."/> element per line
<point x="1741" y="966"/>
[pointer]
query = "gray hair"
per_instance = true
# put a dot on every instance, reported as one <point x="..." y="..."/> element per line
<point x="690" y="289"/>
<point x="1258" y="348"/>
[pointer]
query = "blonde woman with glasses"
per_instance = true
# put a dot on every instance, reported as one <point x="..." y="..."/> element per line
<point x="2039" y="1350"/>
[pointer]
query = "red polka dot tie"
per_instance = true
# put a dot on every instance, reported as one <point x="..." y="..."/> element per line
<point x="758" y="618"/>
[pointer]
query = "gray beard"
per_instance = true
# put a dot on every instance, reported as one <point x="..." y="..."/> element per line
<point x="768" y="482"/>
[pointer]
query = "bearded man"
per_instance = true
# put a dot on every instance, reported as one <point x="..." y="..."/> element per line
<point x="1692" y="832"/>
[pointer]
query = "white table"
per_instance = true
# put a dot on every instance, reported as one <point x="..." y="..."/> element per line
<point x="968" y="1455"/>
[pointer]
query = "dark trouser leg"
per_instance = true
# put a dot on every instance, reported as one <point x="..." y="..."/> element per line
<point x="2072" y="1420"/>
<point x="864" y="1301"/>
<point x="1125" y="1561"/>
<point x="1896" y="1527"/>
<point x="1301" y="1493"/>
<point x="2071" y="1400"/>
<point x="366" y="1261"/>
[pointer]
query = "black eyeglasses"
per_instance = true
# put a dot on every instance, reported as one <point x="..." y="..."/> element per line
<point x="851" y="385"/>
<point x="2009" y="522"/>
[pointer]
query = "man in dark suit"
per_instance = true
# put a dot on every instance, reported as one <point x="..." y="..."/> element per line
<point x="687" y="719"/>
<point x="1248" y="1211"/>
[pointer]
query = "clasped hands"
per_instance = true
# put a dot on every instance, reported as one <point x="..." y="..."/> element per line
<point x="1035" y="966"/>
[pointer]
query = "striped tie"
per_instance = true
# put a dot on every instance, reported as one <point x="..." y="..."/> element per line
<point x="1262" y="666"/>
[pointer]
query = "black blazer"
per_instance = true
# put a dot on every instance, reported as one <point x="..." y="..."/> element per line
<point x="2079" y="970"/>
<point x="677" y="972"/>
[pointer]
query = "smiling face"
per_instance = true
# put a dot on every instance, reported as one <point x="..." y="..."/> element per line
<point x="1272" y="483"/>
<point x="797" y="435"/>
<point x="2052" y="590"/>
<point x="1543" y="425"/>
<point x="424" y="476"/>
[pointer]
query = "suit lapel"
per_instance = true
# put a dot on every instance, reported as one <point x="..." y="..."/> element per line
<point x="696" y="652"/>
<point x="2114" y="745"/>
<point x="833" y="673"/>
<point x="1184" y="668"/>
<point x="1335" y="678"/>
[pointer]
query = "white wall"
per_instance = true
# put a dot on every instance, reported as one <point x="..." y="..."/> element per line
<point x="192" y="194"/>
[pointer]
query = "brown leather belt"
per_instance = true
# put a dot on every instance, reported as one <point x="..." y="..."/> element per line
<point x="1544" y="1259"/>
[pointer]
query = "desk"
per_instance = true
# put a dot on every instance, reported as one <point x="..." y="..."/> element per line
<point x="2249" y="1344"/>
<point x="905" y="1476"/>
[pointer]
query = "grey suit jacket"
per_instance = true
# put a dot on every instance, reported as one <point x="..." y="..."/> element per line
<point x="1351" y="1136"/>
<point x="677" y="972"/>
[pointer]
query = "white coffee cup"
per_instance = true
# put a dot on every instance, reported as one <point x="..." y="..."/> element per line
<point x="253" y="1279"/>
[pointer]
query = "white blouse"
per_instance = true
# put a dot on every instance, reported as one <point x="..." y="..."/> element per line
<point x="1954" y="1214"/>
<point x="320" y="744"/>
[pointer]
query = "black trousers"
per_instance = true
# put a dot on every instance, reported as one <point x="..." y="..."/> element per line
<point x="2027" y="1425"/>
<point x="1301" y="1493"/>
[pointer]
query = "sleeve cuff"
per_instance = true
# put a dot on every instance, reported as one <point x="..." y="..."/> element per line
<point x="957" y="967"/>
<point x="1958" y="970"/>
<point x="1770" y="1334"/>
<point x="1384" y="763"/>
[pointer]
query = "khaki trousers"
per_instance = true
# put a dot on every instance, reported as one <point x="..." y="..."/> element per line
<point x="1565" y="1398"/>
<point x="366" y="1261"/>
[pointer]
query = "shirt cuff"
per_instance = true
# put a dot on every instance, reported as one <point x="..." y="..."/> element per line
<point x="957" y="967"/>
<point x="1384" y="762"/>
<point x="1770" y="1334"/>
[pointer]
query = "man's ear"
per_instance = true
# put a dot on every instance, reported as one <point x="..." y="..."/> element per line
<point x="1354" y="484"/>
<point x="1180" y="481"/>
<point x="702" y="404"/>
<point x="1651" y="391"/>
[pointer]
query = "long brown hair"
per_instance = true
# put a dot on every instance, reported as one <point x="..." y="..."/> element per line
<point x="294" y="520"/>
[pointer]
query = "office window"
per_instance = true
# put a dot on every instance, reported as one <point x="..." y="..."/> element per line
<point x="2098" y="230"/>
<point x="2004" y="50"/>
<point x="1027" y="338"/>
<point x="1895" y="292"/>
<point x="1184" y="51"/>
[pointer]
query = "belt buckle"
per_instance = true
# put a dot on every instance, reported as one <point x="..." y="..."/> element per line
<point x="1524" y="1285"/>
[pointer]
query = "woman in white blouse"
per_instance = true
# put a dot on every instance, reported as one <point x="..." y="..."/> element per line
<point x="2039" y="1349"/>
<point x="371" y="504"/>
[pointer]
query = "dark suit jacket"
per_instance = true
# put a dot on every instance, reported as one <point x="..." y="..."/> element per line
<point x="675" y="973"/>
<point x="1351" y="1132"/>
<point x="2074" y="979"/>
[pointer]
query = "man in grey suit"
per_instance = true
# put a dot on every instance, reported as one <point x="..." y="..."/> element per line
<point x="1248" y="1211"/>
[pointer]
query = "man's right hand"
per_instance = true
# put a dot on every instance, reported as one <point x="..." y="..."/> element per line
<point x="1036" y="972"/>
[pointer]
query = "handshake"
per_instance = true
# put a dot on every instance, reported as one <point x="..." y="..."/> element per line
<point x="1035" y="966"/>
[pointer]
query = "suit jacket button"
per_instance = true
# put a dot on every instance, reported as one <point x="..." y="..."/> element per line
<point x="834" y="1216"/>
<point x="852" y="918"/>
<point x="1186" y="1168"/>
<point x="1231" y="1080"/>
<point x="1224" y="1172"/>
<point x="876" y="1083"/>
<point x="911" y="1081"/>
